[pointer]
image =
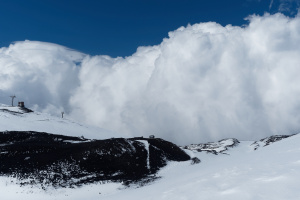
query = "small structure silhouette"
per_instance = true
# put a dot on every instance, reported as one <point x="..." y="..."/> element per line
<point x="21" y="104"/>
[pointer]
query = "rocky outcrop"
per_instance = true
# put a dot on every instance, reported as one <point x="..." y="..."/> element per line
<point x="214" y="147"/>
<point x="63" y="161"/>
<point x="269" y="140"/>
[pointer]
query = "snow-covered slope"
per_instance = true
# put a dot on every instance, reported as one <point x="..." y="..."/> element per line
<point x="258" y="170"/>
<point x="16" y="119"/>
<point x="270" y="172"/>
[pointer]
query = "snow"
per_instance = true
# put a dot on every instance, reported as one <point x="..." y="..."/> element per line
<point x="214" y="147"/>
<point x="36" y="121"/>
<point x="146" y="144"/>
<point x="270" y="172"/>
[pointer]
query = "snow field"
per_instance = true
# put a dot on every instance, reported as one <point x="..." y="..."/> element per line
<point x="270" y="172"/>
<point x="42" y="122"/>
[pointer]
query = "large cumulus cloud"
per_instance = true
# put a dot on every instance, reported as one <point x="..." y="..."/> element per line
<point x="204" y="82"/>
<point x="41" y="74"/>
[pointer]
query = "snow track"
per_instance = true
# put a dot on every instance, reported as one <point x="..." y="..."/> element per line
<point x="146" y="144"/>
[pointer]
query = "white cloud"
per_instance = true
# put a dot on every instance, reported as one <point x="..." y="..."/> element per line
<point x="289" y="6"/>
<point x="38" y="73"/>
<point x="204" y="82"/>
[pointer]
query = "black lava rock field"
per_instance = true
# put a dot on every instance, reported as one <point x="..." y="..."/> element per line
<point x="45" y="159"/>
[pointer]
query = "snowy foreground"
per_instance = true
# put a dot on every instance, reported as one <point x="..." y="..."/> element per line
<point x="238" y="172"/>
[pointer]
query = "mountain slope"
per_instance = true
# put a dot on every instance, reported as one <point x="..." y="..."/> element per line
<point x="270" y="172"/>
<point x="229" y="169"/>
<point x="44" y="159"/>
<point x="18" y="119"/>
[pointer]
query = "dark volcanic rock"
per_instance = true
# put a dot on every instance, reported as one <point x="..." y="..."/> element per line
<point x="22" y="110"/>
<point x="214" y="147"/>
<point x="63" y="161"/>
<point x="195" y="160"/>
<point x="269" y="140"/>
<point x="161" y="151"/>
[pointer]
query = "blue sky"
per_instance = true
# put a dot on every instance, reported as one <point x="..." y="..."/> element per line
<point x="117" y="28"/>
<point x="207" y="81"/>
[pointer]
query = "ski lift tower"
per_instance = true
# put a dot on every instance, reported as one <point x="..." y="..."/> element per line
<point x="12" y="99"/>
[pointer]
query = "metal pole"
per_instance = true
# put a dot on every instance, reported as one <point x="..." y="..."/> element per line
<point x="12" y="99"/>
